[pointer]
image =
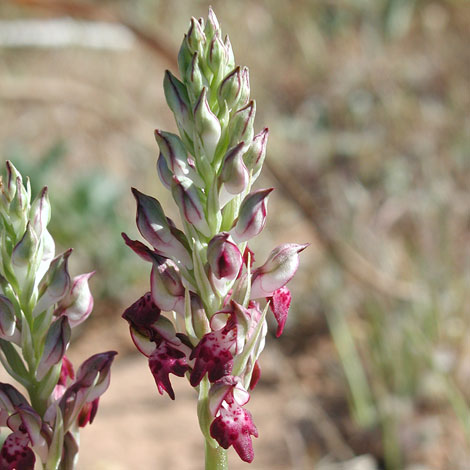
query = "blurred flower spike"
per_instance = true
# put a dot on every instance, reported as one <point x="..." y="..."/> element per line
<point x="40" y="304"/>
<point x="200" y="318"/>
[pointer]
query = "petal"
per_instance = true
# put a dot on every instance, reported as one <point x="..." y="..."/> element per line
<point x="280" y="303"/>
<point x="142" y="314"/>
<point x="166" y="360"/>
<point x="16" y="454"/>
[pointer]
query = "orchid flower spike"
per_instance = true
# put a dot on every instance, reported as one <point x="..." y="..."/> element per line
<point x="201" y="317"/>
<point x="40" y="304"/>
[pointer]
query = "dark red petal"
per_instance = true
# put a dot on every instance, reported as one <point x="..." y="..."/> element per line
<point x="88" y="413"/>
<point x="139" y="248"/>
<point x="142" y="314"/>
<point x="280" y="303"/>
<point x="255" y="376"/>
<point x="166" y="360"/>
<point x="15" y="453"/>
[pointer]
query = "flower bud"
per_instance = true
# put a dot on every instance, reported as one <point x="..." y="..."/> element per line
<point x="216" y="56"/>
<point x="174" y="152"/>
<point x="229" y="52"/>
<point x="252" y="215"/>
<point x="234" y="88"/>
<point x="189" y="200"/>
<point x="7" y="319"/>
<point x="212" y="26"/>
<point x="19" y="205"/>
<point x="164" y="173"/>
<point x="9" y="190"/>
<point x="254" y="156"/>
<point x="24" y="254"/>
<point x="224" y="257"/>
<point x="40" y="213"/>
<point x="177" y="98"/>
<point x="166" y="285"/>
<point x="196" y="37"/>
<point x="56" y="343"/>
<point x="154" y="227"/>
<point x="78" y="303"/>
<point x="194" y="78"/>
<point x="277" y="271"/>
<point x="234" y="173"/>
<point x="198" y="316"/>
<point x="55" y="284"/>
<point x="241" y="124"/>
<point x="207" y="125"/>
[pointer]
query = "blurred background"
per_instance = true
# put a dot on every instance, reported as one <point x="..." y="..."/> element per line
<point x="368" y="103"/>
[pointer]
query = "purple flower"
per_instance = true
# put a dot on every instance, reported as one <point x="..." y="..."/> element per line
<point x="166" y="360"/>
<point x="214" y="355"/>
<point x="16" y="453"/>
<point x="233" y="425"/>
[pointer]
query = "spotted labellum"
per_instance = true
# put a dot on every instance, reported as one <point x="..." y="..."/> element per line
<point x="40" y="304"/>
<point x="201" y="317"/>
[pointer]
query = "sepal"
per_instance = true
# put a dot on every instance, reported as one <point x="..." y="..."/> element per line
<point x="166" y="285"/>
<point x="277" y="271"/>
<point x="154" y="227"/>
<point x="207" y="125"/>
<point x="78" y="303"/>
<point x="252" y="215"/>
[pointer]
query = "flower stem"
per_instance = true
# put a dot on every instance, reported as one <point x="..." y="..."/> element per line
<point x="216" y="458"/>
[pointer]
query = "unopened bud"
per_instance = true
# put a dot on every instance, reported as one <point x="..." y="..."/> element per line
<point x="196" y="37"/>
<point x="212" y="26"/>
<point x="164" y="173"/>
<point x="78" y="303"/>
<point x="207" y="125"/>
<point x="256" y="153"/>
<point x="166" y="285"/>
<point x="229" y="52"/>
<point x="40" y="213"/>
<point x="234" y="172"/>
<point x="7" y="319"/>
<point x="189" y="199"/>
<point x="277" y="271"/>
<point x="216" y="56"/>
<point x="224" y="257"/>
<point x="19" y="205"/>
<point x="199" y="316"/>
<point x="185" y="56"/>
<point x="177" y="98"/>
<point x="11" y="183"/>
<point x="174" y="152"/>
<point x="55" y="284"/>
<point x="153" y="225"/>
<point x="252" y="215"/>
<point x="24" y="253"/>
<point x="241" y="124"/>
<point x="56" y="343"/>
<point x="231" y="88"/>
<point x="194" y="78"/>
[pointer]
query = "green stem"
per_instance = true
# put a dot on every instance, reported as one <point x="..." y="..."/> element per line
<point x="216" y="458"/>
